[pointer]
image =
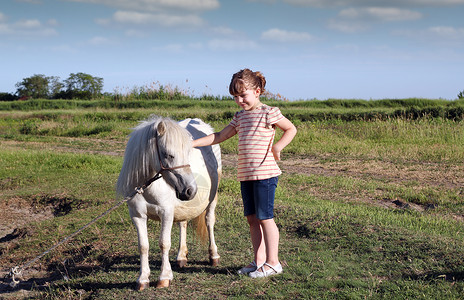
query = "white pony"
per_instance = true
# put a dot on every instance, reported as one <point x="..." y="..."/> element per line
<point x="175" y="183"/>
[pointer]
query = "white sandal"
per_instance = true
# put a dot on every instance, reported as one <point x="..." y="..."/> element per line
<point x="246" y="270"/>
<point x="274" y="270"/>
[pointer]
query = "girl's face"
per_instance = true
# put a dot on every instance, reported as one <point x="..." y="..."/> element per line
<point x="249" y="99"/>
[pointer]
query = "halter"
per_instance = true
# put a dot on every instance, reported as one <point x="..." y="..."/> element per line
<point x="158" y="175"/>
<point x="163" y="168"/>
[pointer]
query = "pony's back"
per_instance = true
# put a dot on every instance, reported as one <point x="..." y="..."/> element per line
<point x="212" y="155"/>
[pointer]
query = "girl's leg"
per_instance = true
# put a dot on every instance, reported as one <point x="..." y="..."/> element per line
<point x="271" y="241"/>
<point x="265" y="193"/>
<point x="257" y="240"/>
<point x="248" y="197"/>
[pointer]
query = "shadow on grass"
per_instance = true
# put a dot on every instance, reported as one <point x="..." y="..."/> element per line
<point x="448" y="276"/>
<point x="73" y="268"/>
<point x="195" y="266"/>
<point x="59" y="274"/>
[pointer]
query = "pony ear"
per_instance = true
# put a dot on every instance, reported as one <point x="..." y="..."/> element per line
<point x="161" y="128"/>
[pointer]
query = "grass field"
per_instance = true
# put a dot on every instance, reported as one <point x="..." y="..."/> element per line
<point x="370" y="205"/>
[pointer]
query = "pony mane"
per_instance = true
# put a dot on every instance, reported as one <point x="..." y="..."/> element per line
<point x="141" y="160"/>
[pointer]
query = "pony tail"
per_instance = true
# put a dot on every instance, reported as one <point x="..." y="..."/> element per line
<point x="201" y="229"/>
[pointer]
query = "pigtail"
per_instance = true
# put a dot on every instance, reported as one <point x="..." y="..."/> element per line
<point x="261" y="81"/>
<point x="247" y="79"/>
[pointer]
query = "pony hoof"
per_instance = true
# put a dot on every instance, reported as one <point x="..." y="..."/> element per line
<point x="182" y="263"/>
<point x="142" y="286"/>
<point x="214" y="262"/>
<point x="164" y="283"/>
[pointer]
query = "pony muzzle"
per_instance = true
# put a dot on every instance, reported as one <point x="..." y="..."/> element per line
<point x="188" y="193"/>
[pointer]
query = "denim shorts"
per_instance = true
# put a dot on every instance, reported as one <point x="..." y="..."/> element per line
<point x="258" y="197"/>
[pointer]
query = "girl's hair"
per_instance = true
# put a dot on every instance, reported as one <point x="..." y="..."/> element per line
<point x="246" y="79"/>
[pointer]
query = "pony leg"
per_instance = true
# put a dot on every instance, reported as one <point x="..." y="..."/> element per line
<point x="183" y="251"/>
<point x="210" y="221"/>
<point x="165" y="245"/>
<point x="141" y="225"/>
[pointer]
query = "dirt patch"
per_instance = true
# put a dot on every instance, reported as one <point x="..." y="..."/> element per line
<point x="419" y="175"/>
<point x="17" y="212"/>
<point x="425" y="174"/>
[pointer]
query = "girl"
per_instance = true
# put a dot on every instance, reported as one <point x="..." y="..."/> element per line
<point x="257" y="168"/>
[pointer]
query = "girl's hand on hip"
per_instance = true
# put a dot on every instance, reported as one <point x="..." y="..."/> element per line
<point x="276" y="152"/>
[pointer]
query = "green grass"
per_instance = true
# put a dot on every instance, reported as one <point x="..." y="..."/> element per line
<point x="428" y="139"/>
<point x="341" y="236"/>
<point x="332" y="250"/>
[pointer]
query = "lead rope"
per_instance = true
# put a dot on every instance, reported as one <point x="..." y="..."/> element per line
<point x="16" y="271"/>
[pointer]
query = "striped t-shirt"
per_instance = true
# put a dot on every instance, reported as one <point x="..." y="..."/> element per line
<point x="256" y="132"/>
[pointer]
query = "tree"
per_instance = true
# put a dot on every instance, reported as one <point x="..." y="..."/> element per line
<point x="36" y="86"/>
<point x="461" y="95"/>
<point x="55" y="86"/>
<point x="78" y="85"/>
<point x="82" y="85"/>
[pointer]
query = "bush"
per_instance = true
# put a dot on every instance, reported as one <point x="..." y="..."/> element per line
<point x="8" y="97"/>
<point x="29" y="127"/>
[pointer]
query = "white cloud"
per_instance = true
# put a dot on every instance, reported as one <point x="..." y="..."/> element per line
<point x="133" y="17"/>
<point x="447" y="32"/>
<point x="435" y="34"/>
<point x="178" y="48"/>
<point x="138" y="18"/>
<point x="98" y="40"/>
<point x="28" y="24"/>
<point x="157" y="5"/>
<point x="285" y="36"/>
<point x="367" y="3"/>
<point x="103" y="22"/>
<point x="353" y="20"/>
<point x="30" y="1"/>
<point x="231" y="45"/>
<point x="223" y="30"/>
<point x="3" y="18"/>
<point x="52" y="22"/>
<point x="196" y="46"/>
<point x="346" y="26"/>
<point x="64" y="48"/>
<point x="135" y="33"/>
<point x="423" y="2"/>
<point x="263" y="1"/>
<point x="26" y="27"/>
<point x="316" y="3"/>
<point x="348" y="48"/>
<point x="171" y="48"/>
<point x="388" y="14"/>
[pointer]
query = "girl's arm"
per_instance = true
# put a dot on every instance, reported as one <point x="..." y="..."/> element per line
<point x="289" y="133"/>
<point x="215" y="138"/>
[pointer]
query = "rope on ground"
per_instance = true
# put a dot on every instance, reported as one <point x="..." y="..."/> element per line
<point x="16" y="271"/>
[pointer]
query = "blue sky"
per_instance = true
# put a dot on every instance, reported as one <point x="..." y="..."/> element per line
<point x="307" y="49"/>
